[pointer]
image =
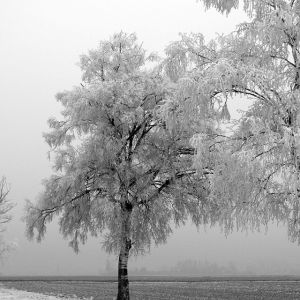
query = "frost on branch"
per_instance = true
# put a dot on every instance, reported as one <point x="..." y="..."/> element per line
<point x="221" y="5"/>
<point x="256" y="8"/>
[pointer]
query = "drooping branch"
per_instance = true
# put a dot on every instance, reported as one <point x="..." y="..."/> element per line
<point x="44" y="213"/>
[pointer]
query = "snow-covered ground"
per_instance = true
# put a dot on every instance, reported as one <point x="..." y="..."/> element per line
<point x="12" y="294"/>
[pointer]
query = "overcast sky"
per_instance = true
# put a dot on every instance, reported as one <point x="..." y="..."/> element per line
<point x="41" y="41"/>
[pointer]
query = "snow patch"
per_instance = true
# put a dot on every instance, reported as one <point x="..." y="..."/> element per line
<point x="12" y="294"/>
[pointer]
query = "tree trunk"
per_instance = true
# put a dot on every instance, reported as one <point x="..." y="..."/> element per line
<point x="123" y="282"/>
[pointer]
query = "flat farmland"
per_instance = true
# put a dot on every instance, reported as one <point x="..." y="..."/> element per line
<point x="160" y="288"/>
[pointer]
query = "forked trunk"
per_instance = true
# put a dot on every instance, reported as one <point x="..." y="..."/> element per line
<point x="123" y="282"/>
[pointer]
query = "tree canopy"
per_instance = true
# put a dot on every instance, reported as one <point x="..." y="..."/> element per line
<point x="121" y="131"/>
<point x="262" y="64"/>
<point x="254" y="8"/>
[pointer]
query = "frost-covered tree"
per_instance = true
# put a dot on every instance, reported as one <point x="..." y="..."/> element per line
<point x="261" y="61"/>
<point x="5" y="217"/>
<point x="124" y="155"/>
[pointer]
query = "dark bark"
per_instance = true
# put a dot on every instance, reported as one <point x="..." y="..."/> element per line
<point x="123" y="282"/>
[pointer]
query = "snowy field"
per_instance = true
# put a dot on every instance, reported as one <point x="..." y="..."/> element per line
<point x="12" y="294"/>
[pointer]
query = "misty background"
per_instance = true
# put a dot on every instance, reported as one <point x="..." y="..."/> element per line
<point x="41" y="42"/>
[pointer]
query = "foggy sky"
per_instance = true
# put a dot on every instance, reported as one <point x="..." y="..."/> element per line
<point x="40" y="45"/>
